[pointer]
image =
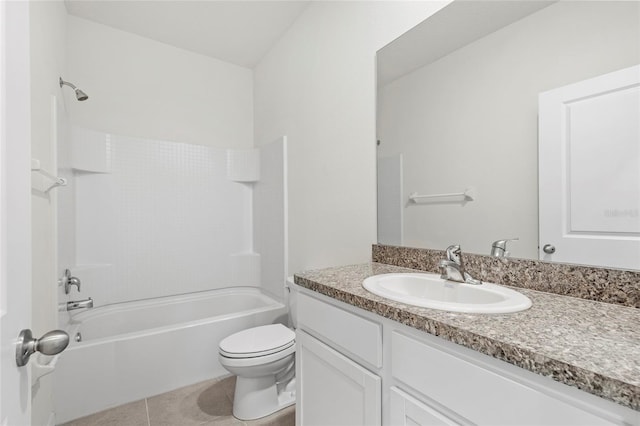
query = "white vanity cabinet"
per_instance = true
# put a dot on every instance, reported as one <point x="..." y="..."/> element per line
<point x="357" y="368"/>
<point x="333" y="387"/>
<point x="470" y="388"/>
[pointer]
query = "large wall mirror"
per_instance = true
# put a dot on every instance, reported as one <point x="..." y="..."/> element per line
<point x="457" y="123"/>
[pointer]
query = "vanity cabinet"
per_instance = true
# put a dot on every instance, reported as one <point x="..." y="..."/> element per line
<point x="333" y="386"/>
<point x="357" y="368"/>
<point x="459" y="388"/>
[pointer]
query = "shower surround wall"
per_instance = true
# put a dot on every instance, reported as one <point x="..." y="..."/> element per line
<point x="156" y="218"/>
<point x="270" y="228"/>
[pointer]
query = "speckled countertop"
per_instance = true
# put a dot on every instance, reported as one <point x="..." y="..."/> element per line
<point x="591" y="345"/>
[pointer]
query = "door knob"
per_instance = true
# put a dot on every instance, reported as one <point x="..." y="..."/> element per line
<point x="52" y="343"/>
<point x="549" y="249"/>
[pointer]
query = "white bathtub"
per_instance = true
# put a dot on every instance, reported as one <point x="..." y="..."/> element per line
<point x="138" y="349"/>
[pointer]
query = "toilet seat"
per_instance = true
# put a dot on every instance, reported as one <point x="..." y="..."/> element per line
<point x="256" y="354"/>
<point x="256" y="361"/>
<point x="257" y="342"/>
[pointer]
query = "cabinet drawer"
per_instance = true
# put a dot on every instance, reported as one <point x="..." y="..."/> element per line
<point x="477" y="393"/>
<point x="359" y="336"/>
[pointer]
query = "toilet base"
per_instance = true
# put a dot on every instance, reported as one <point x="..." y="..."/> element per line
<point x="258" y="397"/>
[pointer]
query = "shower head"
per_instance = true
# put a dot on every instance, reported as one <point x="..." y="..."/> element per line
<point x="80" y="95"/>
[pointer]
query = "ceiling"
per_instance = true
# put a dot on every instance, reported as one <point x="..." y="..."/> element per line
<point x="236" y="31"/>
<point x="453" y="27"/>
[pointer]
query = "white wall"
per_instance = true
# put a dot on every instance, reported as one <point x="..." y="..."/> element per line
<point x="47" y="31"/>
<point x="470" y="119"/>
<point x="144" y="88"/>
<point x="317" y="86"/>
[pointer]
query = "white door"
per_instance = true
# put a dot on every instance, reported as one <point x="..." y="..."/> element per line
<point x="332" y="389"/>
<point x="15" y="218"/>
<point x="589" y="171"/>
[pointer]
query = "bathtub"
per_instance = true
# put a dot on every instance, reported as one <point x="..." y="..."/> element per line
<point x="134" y="350"/>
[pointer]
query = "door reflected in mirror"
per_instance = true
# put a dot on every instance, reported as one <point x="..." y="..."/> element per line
<point x="458" y="106"/>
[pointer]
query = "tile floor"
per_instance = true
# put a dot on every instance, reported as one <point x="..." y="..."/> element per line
<point x="205" y="403"/>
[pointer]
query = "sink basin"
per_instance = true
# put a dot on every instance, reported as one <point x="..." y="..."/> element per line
<point x="431" y="291"/>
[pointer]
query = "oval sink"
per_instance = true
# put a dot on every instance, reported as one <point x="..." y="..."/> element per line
<point x="431" y="291"/>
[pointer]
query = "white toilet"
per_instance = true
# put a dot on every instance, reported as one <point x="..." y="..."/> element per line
<point x="262" y="358"/>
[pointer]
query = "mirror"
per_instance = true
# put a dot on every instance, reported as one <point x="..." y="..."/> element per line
<point x="457" y="112"/>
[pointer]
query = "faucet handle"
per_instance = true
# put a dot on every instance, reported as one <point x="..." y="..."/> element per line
<point x="499" y="247"/>
<point x="67" y="281"/>
<point x="454" y="254"/>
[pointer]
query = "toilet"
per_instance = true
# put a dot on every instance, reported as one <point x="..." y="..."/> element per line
<point x="262" y="358"/>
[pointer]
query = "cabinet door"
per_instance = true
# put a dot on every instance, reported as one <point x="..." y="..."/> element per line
<point x="405" y="410"/>
<point x="332" y="389"/>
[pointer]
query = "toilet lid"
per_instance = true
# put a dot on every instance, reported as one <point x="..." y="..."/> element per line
<point x="257" y="341"/>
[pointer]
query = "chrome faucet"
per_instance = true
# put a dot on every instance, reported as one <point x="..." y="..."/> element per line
<point x="453" y="267"/>
<point x="79" y="304"/>
<point x="499" y="248"/>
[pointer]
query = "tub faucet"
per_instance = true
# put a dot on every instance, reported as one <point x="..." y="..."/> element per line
<point x="79" y="304"/>
<point x="453" y="267"/>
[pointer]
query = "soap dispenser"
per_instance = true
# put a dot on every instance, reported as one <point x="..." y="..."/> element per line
<point x="499" y="248"/>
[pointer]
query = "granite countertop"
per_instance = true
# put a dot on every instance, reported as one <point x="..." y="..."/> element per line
<point x="593" y="346"/>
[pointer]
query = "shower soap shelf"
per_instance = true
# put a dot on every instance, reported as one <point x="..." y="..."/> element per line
<point x="54" y="181"/>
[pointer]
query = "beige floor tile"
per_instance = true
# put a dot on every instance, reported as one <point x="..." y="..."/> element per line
<point x="132" y="414"/>
<point x="285" y="417"/>
<point x="192" y="405"/>
<point x="205" y="403"/>
<point x="226" y="421"/>
<point x="229" y="385"/>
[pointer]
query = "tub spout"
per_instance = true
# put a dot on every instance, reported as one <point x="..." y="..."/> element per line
<point x="79" y="304"/>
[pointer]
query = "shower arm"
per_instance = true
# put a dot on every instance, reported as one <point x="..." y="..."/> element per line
<point x="63" y="83"/>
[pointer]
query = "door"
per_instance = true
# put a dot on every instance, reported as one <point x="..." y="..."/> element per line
<point x="589" y="171"/>
<point x="15" y="219"/>
<point x="332" y="389"/>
